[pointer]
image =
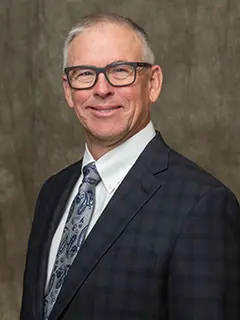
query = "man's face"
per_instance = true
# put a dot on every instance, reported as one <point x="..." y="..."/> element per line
<point x="110" y="115"/>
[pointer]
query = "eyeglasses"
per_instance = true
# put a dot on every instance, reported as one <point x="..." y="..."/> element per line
<point x="118" y="74"/>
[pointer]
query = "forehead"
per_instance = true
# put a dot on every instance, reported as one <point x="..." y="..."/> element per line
<point x="105" y="43"/>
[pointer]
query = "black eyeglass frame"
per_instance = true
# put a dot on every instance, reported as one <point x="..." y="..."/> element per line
<point x="135" y="65"/>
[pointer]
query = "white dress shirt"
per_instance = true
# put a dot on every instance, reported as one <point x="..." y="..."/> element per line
<point x="112" y="167"/>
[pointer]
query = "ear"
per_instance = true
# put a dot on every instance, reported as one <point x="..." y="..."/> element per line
<point x="155" y="83"/>
<point x="67" y="91"/>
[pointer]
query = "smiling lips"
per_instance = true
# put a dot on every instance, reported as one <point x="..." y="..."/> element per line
<point x="104" y="109"/>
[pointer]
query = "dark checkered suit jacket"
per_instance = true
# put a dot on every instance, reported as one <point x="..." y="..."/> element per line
<point x="167" y="246"/>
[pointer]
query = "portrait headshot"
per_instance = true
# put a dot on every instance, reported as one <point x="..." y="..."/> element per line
<point x="120" y="162"/>
<point x="133" y="230"/>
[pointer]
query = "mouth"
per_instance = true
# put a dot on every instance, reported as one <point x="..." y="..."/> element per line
<point x="107" y="110"/>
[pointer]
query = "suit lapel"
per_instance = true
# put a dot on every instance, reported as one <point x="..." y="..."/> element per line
<point x="137" y="188"/>
<point x="55" y="209"/>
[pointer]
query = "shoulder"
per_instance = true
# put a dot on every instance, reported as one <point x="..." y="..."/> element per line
<point x="195" y="179"/>
<point x="67" y="171"/>
<point x="181" y="177"/>
<point x="206" y="195"/>
<point x="61" y="178"/>
<point x="181" y="168"/>
<point x="188" y="170"/>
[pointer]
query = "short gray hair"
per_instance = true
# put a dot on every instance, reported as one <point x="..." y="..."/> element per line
<point x="93" y="19"/>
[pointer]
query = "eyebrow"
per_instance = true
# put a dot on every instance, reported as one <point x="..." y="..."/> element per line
<point x="92" y="66"/>
<point x="117" y="61"/>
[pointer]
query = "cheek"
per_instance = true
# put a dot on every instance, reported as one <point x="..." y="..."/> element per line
<point x="80" y="99"/>
<point x="136" y="98"/>
<point x="130" y="96"/>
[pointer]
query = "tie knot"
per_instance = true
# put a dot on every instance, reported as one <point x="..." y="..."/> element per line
<point x="90" y="174"/>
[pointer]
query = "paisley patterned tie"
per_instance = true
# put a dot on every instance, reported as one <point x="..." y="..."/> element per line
<point x="73" y="234"/>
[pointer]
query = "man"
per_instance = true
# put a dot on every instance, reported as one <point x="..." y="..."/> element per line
<point x="134" y="230"/>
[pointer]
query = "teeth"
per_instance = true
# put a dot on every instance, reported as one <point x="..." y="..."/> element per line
<point x="106" y="110"/>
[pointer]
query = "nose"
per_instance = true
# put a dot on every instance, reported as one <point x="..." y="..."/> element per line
<point x="102" y="87"/>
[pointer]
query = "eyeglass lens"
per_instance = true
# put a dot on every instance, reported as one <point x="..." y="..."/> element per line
<point x="119" y="75"/>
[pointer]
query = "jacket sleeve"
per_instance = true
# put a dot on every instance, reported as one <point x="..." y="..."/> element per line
<point x="204" y="276"/>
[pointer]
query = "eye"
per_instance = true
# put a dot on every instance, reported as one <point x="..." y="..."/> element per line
<point x="83" y="73"/>
<point x="120" y="70"/>
<point x="86" y="73"/>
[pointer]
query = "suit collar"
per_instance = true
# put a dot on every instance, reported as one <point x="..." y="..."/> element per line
<point x="142" y="181"/>
<point x="156" y="154"/>
<point x="114" y="165"/>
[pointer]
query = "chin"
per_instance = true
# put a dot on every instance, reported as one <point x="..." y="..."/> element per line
<point x="108" y="136"/>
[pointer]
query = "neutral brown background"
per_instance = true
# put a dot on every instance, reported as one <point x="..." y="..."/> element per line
<point x="198" y="46"/>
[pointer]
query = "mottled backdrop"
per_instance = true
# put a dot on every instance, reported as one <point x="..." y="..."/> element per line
<point x="198" y="46"/>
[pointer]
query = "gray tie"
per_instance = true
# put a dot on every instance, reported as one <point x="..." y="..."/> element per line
<point x="73" y="234"/>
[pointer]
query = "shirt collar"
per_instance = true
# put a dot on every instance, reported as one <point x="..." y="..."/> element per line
<point x="115" y="164"/>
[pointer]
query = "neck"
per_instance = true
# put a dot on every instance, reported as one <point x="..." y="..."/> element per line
<point x="99" y="148"/>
